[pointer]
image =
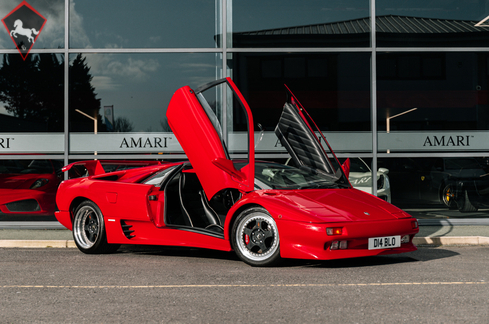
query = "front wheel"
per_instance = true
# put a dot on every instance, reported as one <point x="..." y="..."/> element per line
<point x="89" y="230"/>
<point x="255" y="238"/>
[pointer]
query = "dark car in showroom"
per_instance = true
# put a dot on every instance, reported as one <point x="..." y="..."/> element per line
<point x="435" y="181"/>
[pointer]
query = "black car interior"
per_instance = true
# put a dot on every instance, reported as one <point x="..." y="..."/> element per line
<point x="186" y="203"/>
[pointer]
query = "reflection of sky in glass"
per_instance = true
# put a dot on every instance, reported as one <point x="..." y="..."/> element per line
<point x="140" y="86"/>
<point x="142" y="23"/>
<point x="257" y="14"/>
<point x="53" y="31"/>
<point x="442" y="9"/>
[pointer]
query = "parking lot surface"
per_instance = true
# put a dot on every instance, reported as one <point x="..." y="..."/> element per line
<point x="176" y="285"/>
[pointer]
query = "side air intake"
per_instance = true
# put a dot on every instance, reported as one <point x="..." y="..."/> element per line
<point x="126" y="229"/>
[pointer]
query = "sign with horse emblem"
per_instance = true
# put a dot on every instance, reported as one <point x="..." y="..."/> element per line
<point x="24" y="24"/>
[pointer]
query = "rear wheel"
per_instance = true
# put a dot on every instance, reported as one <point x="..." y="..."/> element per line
<point x="448" y="197"/>
<point x="89" y="230"/>
<point x="255" y="238"/>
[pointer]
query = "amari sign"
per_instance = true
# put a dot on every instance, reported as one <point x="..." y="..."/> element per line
<point x="342" y="142"/>
<point x="434" y="141"/>
<point x="24" y="25"/>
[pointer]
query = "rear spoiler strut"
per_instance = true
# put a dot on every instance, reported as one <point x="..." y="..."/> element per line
<point x="94" y="167"/>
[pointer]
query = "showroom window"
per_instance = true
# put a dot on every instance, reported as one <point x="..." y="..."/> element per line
<point x="118" y="101"/>
<point x="144" y="24"/>
<point x="432" y="101"/>
<point x="285" y="24"/>
<point x="456" y="23"/>
<point x="399" y="87"/>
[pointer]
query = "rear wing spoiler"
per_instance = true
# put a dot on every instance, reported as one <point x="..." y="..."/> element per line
<point x="95" y="167"/>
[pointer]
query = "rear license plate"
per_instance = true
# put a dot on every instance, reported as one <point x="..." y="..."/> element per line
<point x="386" y="242"/>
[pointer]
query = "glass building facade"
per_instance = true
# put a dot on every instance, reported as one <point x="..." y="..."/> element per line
<point x="400" y="87"/>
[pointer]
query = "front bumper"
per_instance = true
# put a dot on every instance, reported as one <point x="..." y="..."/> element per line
<point x="310" y="241"/>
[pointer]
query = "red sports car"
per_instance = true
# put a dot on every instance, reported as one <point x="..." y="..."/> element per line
<point x="263" y="211"/>
<point x="28" y="187"/>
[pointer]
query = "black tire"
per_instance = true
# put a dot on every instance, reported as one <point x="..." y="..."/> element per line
<point x="255" y="238"/>
<point x="467" y="205"/>
<point x="89" y="230"/>
<point x="448" y="197"/>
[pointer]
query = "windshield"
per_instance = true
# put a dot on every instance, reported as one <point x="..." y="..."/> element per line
<point x="279" y="176"/>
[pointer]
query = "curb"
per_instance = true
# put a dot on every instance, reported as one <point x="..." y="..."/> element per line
<point x="418" y="241"/>
<point x="451" y="240"/>
<point x="37" y="244"/>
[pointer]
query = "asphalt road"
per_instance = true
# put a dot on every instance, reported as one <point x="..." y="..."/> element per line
<point x="171" y="285"/>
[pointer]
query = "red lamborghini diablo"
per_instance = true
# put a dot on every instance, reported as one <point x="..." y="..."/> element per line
<point x="263" y="211"/>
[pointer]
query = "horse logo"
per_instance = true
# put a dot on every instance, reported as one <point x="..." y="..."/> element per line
<point x="20" y="30"/>
<point x="24" y="25"/>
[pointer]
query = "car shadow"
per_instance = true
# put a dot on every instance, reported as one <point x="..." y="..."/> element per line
<point x="176" y="251"/>
<point x="423" y="254"/>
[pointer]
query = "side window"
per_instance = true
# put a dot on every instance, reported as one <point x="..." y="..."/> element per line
<point x="158" y="179"/>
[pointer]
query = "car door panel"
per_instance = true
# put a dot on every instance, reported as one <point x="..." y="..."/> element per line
<point x="199" y="137"/>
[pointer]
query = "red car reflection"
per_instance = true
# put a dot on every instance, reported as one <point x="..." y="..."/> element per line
<point x="29" y="186"/>
<point x="263" y="211"/>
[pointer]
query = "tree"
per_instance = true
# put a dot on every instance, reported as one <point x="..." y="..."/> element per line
<point x="33" y="90"/>
<point x="122" y="125"/>
<point x="18" y="81"/>
<point x="82" y="96"/>
<point x="164" y="125"/>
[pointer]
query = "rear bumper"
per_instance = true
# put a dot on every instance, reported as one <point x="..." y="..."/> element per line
<point x="310" y="241"/>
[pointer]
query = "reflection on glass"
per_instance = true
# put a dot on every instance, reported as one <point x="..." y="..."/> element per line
<point x="144" y="24"/>
<point x="28" y="187"/>
<point x="449" y="91"/>
<point x="137" y="87"/>
<point x="52" y="35"/>
<point x="431" y="23"/>
<point x="333" y="87"/>
<point x="299" y="24"/>
<point x="31" y="93"/>
<point x="360" y="177"/>
<point x="444" y="187"/>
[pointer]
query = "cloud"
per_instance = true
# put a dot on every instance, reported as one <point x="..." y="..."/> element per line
<point x="77" y="33"/>
<point x="104" y="83"/>
<point x="135" y="69"/>
<point x="111" y="70"/>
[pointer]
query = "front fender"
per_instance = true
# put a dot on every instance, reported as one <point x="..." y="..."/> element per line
<point x="280" y="209"/>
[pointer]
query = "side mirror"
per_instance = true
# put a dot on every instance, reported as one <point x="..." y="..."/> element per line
<point x="383" y="170"/>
